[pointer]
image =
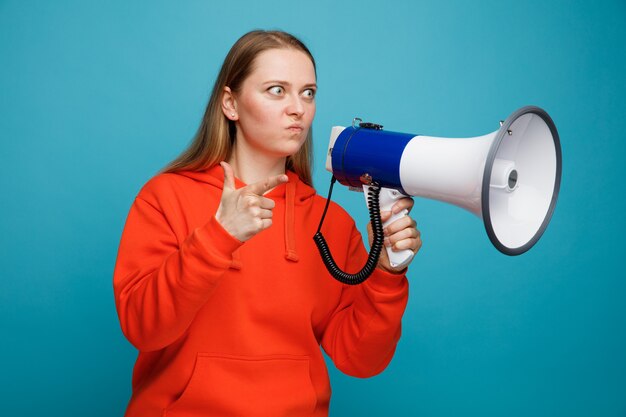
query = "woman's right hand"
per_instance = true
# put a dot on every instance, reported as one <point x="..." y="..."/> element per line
<point x="245" y="212"/>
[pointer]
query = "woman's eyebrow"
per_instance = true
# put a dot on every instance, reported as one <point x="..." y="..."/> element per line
<point x="277" y="82"/>
<point x="288" y="84"/>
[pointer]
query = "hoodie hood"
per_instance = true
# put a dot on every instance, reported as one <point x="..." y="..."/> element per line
<point x="294" y="191"/>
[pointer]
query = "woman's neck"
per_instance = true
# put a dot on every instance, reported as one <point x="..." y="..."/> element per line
<point x="251" y="167"/>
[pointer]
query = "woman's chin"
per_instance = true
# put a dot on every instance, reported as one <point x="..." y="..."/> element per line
<point x="291" y="149"/>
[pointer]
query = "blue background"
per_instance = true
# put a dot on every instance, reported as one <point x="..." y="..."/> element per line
<point x="95" y="97"/>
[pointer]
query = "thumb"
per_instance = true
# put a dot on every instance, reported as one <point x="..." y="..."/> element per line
<point x="229" y="176"/>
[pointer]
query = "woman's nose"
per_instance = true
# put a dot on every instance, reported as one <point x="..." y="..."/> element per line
<point x="295" y="107"/>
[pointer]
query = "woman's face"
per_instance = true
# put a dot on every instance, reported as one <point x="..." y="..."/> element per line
<point x="276" y="103"/>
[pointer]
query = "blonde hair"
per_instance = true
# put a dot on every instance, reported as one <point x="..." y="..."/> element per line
<point x="215" y="137"/>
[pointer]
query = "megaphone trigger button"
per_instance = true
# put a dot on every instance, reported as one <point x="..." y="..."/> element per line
<point x="366" y="179"/>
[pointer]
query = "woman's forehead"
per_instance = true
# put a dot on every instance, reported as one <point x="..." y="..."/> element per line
<point x="290" y="65"/>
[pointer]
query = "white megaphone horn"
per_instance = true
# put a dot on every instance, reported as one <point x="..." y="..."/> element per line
<point x="509" y="178"/>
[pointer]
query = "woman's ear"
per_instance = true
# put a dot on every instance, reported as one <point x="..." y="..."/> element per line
<point x="229" y="106"/>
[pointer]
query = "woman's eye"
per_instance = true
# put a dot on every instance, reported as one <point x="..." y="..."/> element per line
<point x="276" y="90"/>
<point x="309" y="93"/>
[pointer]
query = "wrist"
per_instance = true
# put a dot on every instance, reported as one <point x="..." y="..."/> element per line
<point x="391" y="270"/>
<point x="227" y="227"/>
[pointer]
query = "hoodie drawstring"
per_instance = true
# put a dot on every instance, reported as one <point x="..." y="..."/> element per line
<point x="236" y="262"/>
<point x="290" y="220"/>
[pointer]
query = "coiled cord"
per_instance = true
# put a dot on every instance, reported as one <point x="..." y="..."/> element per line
<point x="377" y="244"/>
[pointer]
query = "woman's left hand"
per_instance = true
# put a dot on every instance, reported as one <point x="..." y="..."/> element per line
<point x="399" y="235"/>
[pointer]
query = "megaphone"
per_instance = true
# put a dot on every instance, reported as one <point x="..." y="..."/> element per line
<point x="509" y="178"/>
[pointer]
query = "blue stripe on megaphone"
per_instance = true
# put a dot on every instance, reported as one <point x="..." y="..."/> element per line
<point x="358" y="151"/>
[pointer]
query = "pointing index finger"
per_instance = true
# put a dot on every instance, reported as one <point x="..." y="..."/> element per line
<point x="261" y="187"/>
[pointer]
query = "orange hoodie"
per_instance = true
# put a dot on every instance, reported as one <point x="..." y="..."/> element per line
<point x="226" y="328"/>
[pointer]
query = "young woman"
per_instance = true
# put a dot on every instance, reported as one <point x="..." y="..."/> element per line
<point x="218" y="282"/>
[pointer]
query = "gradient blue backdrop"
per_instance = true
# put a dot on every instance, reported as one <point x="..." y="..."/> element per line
<point x="95" y="97"/>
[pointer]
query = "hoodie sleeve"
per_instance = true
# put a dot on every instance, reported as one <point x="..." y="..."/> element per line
<point x="363" y="331"/>
<point x="159" y="283"/>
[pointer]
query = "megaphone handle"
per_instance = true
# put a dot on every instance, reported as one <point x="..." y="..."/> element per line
<point x="388" y="197"/>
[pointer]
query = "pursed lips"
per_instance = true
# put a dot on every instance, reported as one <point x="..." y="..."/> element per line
<point x="295" y="128"/>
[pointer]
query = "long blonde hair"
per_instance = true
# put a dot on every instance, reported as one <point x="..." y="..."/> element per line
<point x="215" y="137"/>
